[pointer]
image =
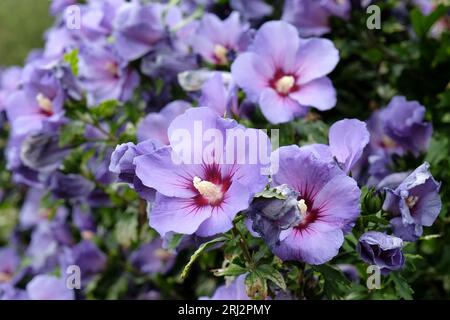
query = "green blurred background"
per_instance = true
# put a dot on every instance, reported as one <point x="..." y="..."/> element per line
<point x="22" y="25"/>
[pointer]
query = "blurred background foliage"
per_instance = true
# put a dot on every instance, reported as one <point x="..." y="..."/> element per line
<point x="22" y="26"/>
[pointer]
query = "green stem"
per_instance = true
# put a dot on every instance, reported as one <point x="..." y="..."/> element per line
<point x="243" y="244"/>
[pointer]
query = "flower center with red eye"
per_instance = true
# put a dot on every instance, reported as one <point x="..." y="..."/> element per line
<point x="5" y="276"/>
<point x="411" y="201"/>
<point x="283" y="83"/>
<point x="213" y="193"/>
<point x="221" y="54"/>
<point x="112" y="68"/>
<point x="45" y="104"/>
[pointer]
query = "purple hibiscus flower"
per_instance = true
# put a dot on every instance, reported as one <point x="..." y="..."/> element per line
<point x="233" y="291"/>
<point x="9" y="263"/>
<point x="105" y="75"/>
<point x="87" y="256"/>
<point x="9" y="82"/>
<point x="252" y="9"/>
<point x="154" y="125"/>
<point x="400" y="128"/>
<point x="218" y="41"/>
<point x="151" y="257"/>
<point x="123" y="163"/>
<point x="98" y="17"/>
<point x="218" y="96"/>
<point x="312" y="17"/>
<point x="286" y="74"/>
<point x="46" y="287"/>
<point x="202" y="186"/>
<point x="328" y="202"/>
<point x="382" y="250"/>
<point x="415" y="203"/>
<point x="347" y="140"/>
<point x="137" y="28"/>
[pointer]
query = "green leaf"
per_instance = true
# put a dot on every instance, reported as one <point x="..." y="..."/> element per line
<point x="401" y="285"/>
<point x="175" y="241"/>
<point x="336" y="285"/>
<point x="126" y="229"/>
<point x="72" y="59"/>
<point x="105" y="109"/>
<point x="423" y="23"/>
<point x="231" y="270"/>
<point x="71" y="134"/>
<point x="197" y="253"/>
<point x="270" y="273"/>
<point x="256" y="286"/>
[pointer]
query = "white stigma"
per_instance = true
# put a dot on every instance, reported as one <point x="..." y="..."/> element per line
<point x="208" y="190"/>
<point x="44" y="103"/>
<point x="411" y="201"/>
<point x="220" y="52"/>
<point x="301" y="204"/>
<point x="285" y="84"/>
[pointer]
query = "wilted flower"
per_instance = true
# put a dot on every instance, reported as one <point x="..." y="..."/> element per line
<point x="272" y="214"/>
<point x="328" y="202"/>
<point x="415" y="203"/>
<point x="382" y="250"/>
<point x="46" y="287"/>
<point x="202" y="195"/>
<point x="286" y="74"/>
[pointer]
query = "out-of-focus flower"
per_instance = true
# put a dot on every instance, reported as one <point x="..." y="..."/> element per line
<point x="311" y="17"/>
<point x="98" y="17"/>
<point x="233" y="291"/>
<point x="201" y="188"/>
<point x="349" y="271"/>
<point x="46" y="287"/>
<point x="137" y="28"/>
<point x="9" y="82"/>
<point x="87" y="256"/>
<point x="152" y="258"/>
<point x="400" y="128"/>
<point x="9" y="263"/>
<point x="328" y="202"/>
<point x="286" y="74"/>
<point x="347" y="140"/>
<point x="155" y="125"/>
<point x="218" y="96"/>
<point x="69" y="186"/>
<point x="415" y="203"/>
<point x="382" y="250"/>
<point x="59" y="6"/>
<point x="251" y="9"/>
<point x="218" y="41"/>
<point x="105" y="75"/>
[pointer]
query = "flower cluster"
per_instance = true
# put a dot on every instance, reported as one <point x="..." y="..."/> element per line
<point x="144" y="133"/>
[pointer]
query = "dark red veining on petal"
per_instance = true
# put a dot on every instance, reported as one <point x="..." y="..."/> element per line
<point x="212" y="174"/>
